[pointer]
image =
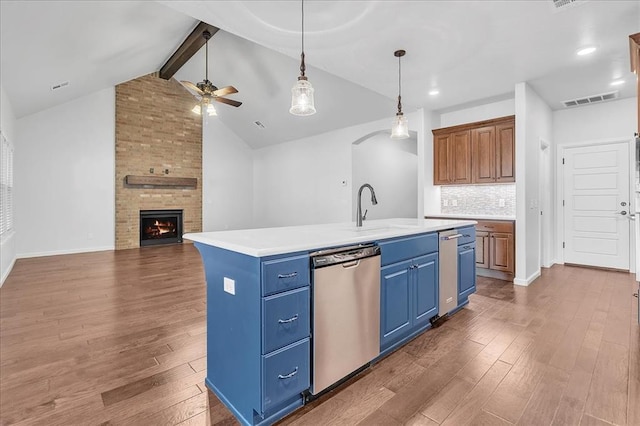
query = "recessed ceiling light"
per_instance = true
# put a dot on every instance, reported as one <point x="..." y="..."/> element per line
<point x="617" y="82"/>
<point x="586" y="51"/>
<point x="434" y="92"/>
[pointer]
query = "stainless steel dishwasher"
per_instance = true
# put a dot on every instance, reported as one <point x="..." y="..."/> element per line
<point x="346" y="312"/>
<point x="448" y="266"/>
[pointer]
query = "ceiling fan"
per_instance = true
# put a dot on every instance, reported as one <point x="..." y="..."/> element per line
<point x="205" y="90"/>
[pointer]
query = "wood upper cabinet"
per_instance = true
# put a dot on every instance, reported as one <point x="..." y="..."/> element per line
<point x="483" y="143"/>
<point x="452" y="158"/>
<point x="482" y="152"/>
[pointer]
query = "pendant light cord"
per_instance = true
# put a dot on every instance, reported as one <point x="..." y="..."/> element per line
<point x="302" y="66"/>
<point x="399" y="86"/>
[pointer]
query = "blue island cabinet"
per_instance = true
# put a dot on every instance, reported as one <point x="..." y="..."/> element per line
<point x="258" y="332"/>
<point x="408" y="288"/>
<point x="466" y="264"/>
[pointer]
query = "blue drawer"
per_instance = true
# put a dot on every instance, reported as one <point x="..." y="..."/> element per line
<point x="285" y="274"/>
<point x="468" y="235"/>
<point x="285" y="319"/>
<point x="400" y="249"/>
<point x="285" y="374"/>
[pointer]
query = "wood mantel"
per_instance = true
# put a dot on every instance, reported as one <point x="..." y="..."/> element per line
<point x="161" y="181"/>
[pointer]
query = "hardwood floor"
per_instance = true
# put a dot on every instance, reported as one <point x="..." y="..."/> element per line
<point x="114" y="338"/>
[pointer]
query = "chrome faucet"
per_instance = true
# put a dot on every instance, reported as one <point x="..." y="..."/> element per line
<point x="359" y="216"/>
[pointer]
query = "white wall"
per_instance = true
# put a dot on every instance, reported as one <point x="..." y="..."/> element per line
<point x="300" y="182"/>
<point x="606" y="120"/>
<point x="227" y="175"/>
<point x="533" y="122"/>
<point x="8" y="242"/>
<point x="478" y="113"/>
<point x="601" y="122"/>
<point x="391" y="168"/>
<point x="64" y="177"/>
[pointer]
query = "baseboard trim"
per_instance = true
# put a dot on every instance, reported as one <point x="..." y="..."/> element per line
<point x="7" y="272"/>
<point x="526" y="282"/>
<point x="61" y="252"/>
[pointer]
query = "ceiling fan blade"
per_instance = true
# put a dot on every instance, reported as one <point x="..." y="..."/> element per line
<point x="228" y="101"/>
<point x="192" y="86"/>
<point x="225" y="91"/>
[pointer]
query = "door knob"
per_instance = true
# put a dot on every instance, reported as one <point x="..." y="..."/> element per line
<point x="624" y="203"/>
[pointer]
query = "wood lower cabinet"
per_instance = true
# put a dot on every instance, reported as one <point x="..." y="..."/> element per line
<point x="495" y="249"/>
<point x="481" y="152"/>
<point x="482" y="249"/>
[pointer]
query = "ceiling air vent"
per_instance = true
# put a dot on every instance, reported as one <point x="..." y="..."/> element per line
<point x="559" y="5"/>
<point x="60" y="85"/>
<point x="590" y="99"/>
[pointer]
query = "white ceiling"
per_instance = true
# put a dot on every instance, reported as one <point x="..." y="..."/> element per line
<point x="469" y="50"/>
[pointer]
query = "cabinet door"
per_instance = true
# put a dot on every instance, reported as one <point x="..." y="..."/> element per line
<point x="483" y="145"/>
<point x="505" y="152"/>
<point x="395" y="297"/>
<point x="441" y="159"/>
<point x="425" y="271"/>
<point x="501" y="251"/>
<point x="482" y="249"/>
<point x="460" y="157"/>
<point x="466" y="271"/>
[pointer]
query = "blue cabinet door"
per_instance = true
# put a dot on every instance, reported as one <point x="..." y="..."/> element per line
<point x="425" y="271"/>
<point x="466" y="271"/>
<point x="395" y="299"/>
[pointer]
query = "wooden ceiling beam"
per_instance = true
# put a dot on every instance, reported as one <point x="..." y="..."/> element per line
<point x="186" y="50"/>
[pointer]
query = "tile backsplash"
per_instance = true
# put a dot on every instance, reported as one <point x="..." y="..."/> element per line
<point x="499" y="200"/>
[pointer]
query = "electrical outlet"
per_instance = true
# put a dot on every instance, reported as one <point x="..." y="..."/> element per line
<point x="445" y="203"/>
<point x="501" y="202"/>
<point x="454" y="202"/>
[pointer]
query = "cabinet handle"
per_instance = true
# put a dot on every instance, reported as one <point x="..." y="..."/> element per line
<point x="288" y="376"/>
<point x="467" y="236"/>
<point x="466" y="247"/>
<point x="292" y="319"/>
<point x="291" y="275"/>
<point x="635" y="294"/>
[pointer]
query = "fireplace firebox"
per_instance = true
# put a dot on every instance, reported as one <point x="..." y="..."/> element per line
<point x="160" y="227"/>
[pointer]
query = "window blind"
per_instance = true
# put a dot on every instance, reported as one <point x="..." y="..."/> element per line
<point x="6" y="186"/>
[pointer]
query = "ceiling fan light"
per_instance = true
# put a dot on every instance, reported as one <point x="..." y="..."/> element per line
<point x="400" y="127"/>
<point x="302" y="102"/>
<point x="211" y="111"/>
<point x="197" y="110"/>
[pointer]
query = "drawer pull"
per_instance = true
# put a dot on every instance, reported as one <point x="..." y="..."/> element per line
<point x="466" y="247"/>
<point x="292" y="319"/>
<point x="467" y="236"/>
<point x="288" y="376"/>
<point x="291" y="275"/>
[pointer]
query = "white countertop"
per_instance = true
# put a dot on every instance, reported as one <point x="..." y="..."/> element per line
<point x="471" y="216"/>
<point x="270" y="241"/>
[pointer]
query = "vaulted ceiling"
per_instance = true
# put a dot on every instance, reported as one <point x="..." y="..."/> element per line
<point x="469" y="50"/>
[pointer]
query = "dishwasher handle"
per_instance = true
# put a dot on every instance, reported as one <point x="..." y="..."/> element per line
<point x="451" y="237"/>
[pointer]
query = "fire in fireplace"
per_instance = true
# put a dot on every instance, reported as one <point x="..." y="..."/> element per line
<point x="160" y="227"/>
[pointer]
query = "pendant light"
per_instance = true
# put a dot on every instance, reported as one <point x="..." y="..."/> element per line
<point x="302" y="92"/>
<point x="400" y="127"/>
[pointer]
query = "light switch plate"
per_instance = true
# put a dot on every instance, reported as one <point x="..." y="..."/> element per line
<point x="229" y="286"/>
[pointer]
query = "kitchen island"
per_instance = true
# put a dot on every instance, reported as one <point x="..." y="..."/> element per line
<point x="260" y="291"/>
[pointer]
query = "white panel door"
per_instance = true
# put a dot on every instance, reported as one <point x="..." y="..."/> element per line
<point x="596" y="193"/>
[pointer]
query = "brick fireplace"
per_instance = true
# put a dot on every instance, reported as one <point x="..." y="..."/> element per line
<point x="159" y="143"/>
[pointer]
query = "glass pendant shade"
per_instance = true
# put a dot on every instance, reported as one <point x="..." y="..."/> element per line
<point x="205" y="104"/>
<point x="400" y="127"/>
<point x="302" y="98"/>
